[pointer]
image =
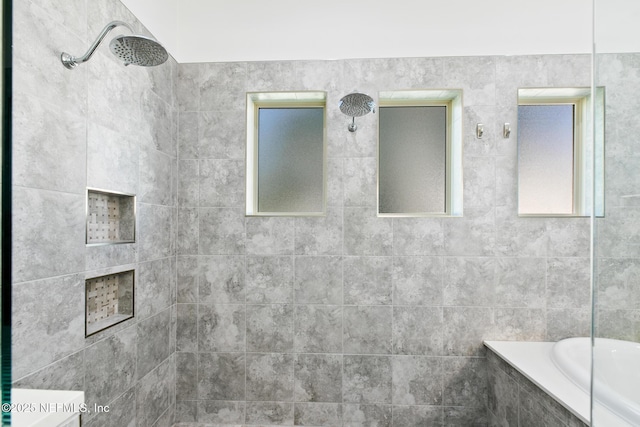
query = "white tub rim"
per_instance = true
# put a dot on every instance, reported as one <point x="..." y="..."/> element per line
<point x="533" y="361"/>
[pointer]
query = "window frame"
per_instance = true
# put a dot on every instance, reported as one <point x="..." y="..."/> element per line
<point x="580" y="99"/>
<point x="452" y="100"/>
<point x="275" y="100"/>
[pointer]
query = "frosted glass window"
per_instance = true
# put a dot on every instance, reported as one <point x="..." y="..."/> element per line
<point x="546" y="159"/>
<point x="412" y="160"/>
<point x="290" y="160"/>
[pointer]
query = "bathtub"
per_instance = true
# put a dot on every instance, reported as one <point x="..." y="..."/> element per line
<point x="562" y="370"/>
<point x="616" y="385"/>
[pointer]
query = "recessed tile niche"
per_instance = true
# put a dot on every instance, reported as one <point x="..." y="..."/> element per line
<point x="108" y="300"/>
<point x="111" y="217"/>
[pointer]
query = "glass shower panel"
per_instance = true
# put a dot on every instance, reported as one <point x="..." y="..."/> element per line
<point x="5" y="255"/>
<point x="616" y="275"/>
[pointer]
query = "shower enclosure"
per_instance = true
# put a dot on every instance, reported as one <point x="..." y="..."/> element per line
<point x="146" y="164"/>
<point x="616" y="235"/>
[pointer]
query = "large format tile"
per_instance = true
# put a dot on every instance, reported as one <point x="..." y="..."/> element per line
<point x="48" y="315"/>
<point x="318" y="329"/>
<point x="64" y="374"/>
<point x="367" y="379"/>
<point x="318" y="280"/>
<point x="270" y="236"/>
<point x="616" y="281"/>
<point x="520" y="282"/>
<point x="156" y="176"/>
<point x="36" y="70"/>
<point x="221" y="376"/>
<point x="221" y="280"/>
<point x="221" y="231"/>
<point x="186" y="376"/>
<point x="465" y="328"/>
<point x="158" y="123"/>
<point x="367" y="329"/>
<point x="218" y="136"/>
<point x="49" y="150"/>
<point x="154" y="335"/>
<point x="318" y="378"/>
<point x="122" y="412"/>
<point x="187" y="277"/>
<point x="223" y="86"/>
<point x="360" y="182"/>
<point x="48" y="234"/>
<point x="269" y="279"/>
<point x="366" y="234"/>
<point x="221" y="327"/>
<point x="417" y="416"/>
<point x="222" y="183"/>
<point x="187" y="327"/>
<point x="354" y="415"/>
<point x="270" y="328"/>
<point x="154" y="282"/>
<point x="465" y="382"/>
<point x="270" y="377"/>
<point x="188" y="231"/>
<point x="222" y="412"/>
<point x="417" y="380"/>
<point x="418" y="330"/>
<point x="269" y="413"/>
<point x="470" y="282"/>
<point x="155" y="231"/>
<point x="155" y="393"/>
<point x="418" y="236"/>
<point x="318" y="414"/>
<point x="367" y="280"/>
<point x="110" y="367"/>
<point x="319" y="235"/>
<point x="417" y="280"/>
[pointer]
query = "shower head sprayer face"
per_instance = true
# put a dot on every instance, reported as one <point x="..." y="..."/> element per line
<point x="355" y="105"/>
<point x="132" y="49"/>
<point x="138" y="50"/>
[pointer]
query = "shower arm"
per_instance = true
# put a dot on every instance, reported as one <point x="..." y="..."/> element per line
<point x="71" y="61"/>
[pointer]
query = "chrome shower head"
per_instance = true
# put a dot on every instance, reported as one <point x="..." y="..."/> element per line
<point x="138" y="50"/>
<point x="133" y="49"/>
<point x="355" y="105"/>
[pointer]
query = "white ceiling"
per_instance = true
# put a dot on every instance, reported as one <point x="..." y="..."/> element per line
<point x="260" y="30"/>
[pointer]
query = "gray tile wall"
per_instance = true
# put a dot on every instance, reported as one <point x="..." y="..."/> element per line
<point x="353" y="319"/>
<point x="348" y="318"/>
<point x="514" y="401"/>
<point x="107" y="126"/>
<point x="617" y="234"/>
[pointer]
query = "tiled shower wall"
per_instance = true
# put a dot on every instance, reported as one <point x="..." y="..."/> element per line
<point x="351" y="318"/>
<point x="618" y="233"/>
<point x="106" y="126"/>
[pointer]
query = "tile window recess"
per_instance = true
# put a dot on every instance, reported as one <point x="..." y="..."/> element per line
<point x="111" y="217"/>
<point x="557" y="154"/>
<point x="420" y="153"/>
<point x="108" y="300"/>
<point x="286" y="154"/>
